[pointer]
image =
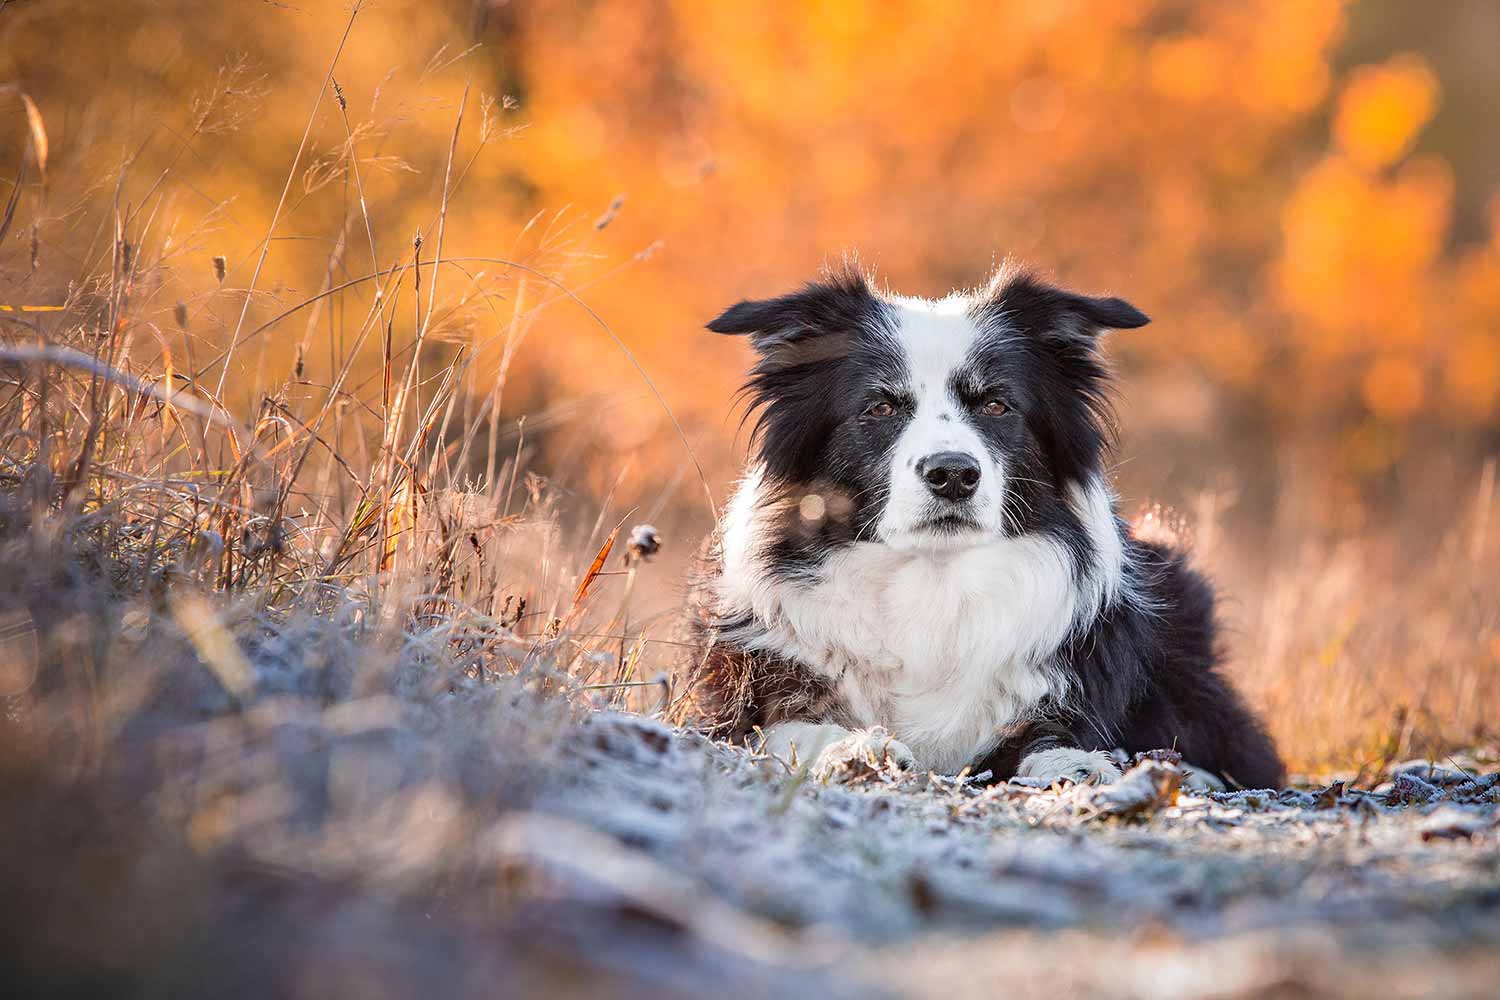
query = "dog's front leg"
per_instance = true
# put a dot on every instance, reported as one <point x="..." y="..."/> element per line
<point x="831" y="751"/>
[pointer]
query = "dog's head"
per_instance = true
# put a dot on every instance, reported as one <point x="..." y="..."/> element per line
<point x="929" y="424"/>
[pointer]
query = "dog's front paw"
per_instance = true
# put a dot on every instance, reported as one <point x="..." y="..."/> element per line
<point x="862" y="752"/>
<point x="1092" y="767"/>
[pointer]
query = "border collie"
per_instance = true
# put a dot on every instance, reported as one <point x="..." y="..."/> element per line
<point x="924" y="561"/>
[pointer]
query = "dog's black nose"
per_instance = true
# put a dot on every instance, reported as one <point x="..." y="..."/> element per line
<point x="951" y="475"/>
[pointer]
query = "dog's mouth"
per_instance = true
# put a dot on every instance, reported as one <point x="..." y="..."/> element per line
<point x="948" y="524"/>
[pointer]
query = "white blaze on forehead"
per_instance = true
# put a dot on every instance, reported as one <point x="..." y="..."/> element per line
<point x="937" y="340"/>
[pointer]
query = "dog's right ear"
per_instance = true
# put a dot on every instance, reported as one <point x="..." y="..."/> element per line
<point x="816" y="323"/>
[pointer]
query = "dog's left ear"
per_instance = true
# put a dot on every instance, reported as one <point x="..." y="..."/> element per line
<point x="1026" y="303"/>
<point x="1072" y="419"/>
<point x="1108" y="313"/>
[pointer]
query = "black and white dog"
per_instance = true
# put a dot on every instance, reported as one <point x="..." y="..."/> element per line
<point x="924" y="560"/>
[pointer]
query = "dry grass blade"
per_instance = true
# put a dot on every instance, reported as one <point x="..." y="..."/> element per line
<point x="13" y="200"/>
<point x="38" y="147"/>
<point x="595" y="568"/>
<point x="38" y="134"/>
<point x="34" y="125"/>
<point x="400" y="520"/>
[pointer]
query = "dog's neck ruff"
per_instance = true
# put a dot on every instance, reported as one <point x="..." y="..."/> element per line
<point x="944" y="648"/>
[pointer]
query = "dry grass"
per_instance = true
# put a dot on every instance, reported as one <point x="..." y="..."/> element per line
<point x="396" y="489"/>
<point x="1366" y="648"/>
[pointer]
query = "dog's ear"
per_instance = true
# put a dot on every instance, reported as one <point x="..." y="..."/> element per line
<point x="815" y="323"/>
<point x="769" y="322"/>
<point x="1027" y="304"/>
<point x="1107" y="313"/>
<point x="1071" y="413"/>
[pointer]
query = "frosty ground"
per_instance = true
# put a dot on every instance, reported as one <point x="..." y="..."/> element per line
<point x="339" y="825"/>
<point x="928" y="885"/>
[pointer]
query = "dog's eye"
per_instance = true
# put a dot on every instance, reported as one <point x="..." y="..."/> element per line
<point x="882" y="408"/>
<point x="993" y="408"/>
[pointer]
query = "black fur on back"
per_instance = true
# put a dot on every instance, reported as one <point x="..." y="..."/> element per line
<point x="1147" y="678"/>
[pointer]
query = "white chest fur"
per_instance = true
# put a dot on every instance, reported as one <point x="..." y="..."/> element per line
<point x="944" y="648"/>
